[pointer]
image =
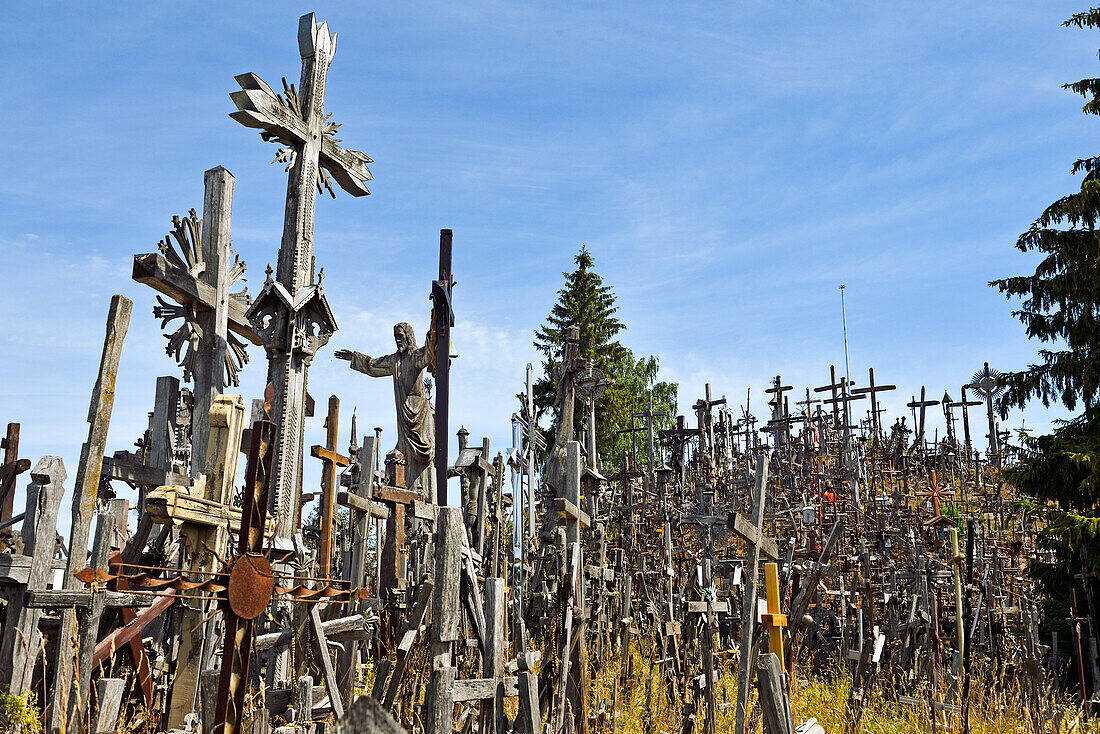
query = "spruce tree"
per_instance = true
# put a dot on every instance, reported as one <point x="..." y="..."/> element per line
<point x="588" y="303"/>
<point x="1061" y="299"/>
<point x="1060" y="307"/>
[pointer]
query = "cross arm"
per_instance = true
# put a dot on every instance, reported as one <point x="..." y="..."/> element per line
<point x="58" y="598"/>
<point x="750" y="534"/>
<point x="348" y="167"/>
<point x="258" y="107"/>
<point x="323" y="452"/>
<point x="157" y="273"/>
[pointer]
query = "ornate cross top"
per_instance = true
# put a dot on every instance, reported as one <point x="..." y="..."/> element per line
<point x="312" y="154"/>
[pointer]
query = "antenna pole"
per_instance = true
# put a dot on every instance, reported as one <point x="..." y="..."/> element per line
<point x="844" y="321"/>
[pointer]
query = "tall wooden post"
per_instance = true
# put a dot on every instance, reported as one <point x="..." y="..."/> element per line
<point x="748" y="607"/>
<point x="209" y="364"/>
<point x="442" y="321"/>
<point x="331" y="460"/>
<point x="291" y="314"/>
<point x="446" y="615"/>
<point x="17" y="655"/>
<point x="86" y="491"/>
<point x="205" y="546"/>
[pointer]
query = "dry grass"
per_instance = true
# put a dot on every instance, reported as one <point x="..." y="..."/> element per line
<point x="993" y="710"/>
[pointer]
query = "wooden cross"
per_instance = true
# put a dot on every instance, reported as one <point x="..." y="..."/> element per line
<point x="202" y="514"/>
<point x="936" y="493"/>
<point x="196" y="268"/>
<point x="650" y="417"/>
<point x="533" y="445"/>
<point x="85" y="610"/>
<point x="873" y="390"/>
<point x="291" y="314"/>
<point x="704" y="418"/>
<point x="706" y="520"/>
<point x="17" y="656"/>
<point x="966" y="405"/>
<point x="748" y="606"/>
<point x="355" y="571"/>
<point x="330" y="459"/>
<point x="12" y="467"/>
<point x="443" y="320"/>
<point x="779" y="414"/>
<point x="922" y="404"/>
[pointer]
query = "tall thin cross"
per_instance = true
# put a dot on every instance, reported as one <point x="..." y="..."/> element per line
<point x="330" y="459"/>
<point x="873" y="390"/>
<point x="649" y="415"/>
<point x="923" y="404"/>
<point x="442" y="320"/>
<point x="778" y="412"/>
<point x="291" y="314"/>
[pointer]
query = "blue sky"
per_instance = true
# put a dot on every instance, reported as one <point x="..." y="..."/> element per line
<point x="728" y="164"/>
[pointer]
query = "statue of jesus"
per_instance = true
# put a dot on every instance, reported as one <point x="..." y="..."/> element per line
<point x="415" y="415"/>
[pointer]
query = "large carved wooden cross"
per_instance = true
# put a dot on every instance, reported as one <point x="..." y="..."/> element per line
<point x="196" y="268"/>
<point x="291" y="313"/>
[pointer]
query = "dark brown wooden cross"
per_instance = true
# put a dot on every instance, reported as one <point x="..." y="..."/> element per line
<point x="918" y="418"/>
<point x="873" y="390"/>
<point x="12" y="467"/>
<point x="330" y="460"/>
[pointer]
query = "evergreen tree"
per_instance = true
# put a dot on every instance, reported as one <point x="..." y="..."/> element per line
<point x="586" y="302"/>
<point x="1060" y="307"/>
<point x="1061" y="299"/>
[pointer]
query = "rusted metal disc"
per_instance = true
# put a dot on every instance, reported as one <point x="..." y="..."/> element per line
<point x="251" y="585"/>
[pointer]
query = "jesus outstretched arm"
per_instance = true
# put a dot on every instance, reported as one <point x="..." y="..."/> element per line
<point x="375" y="367"/>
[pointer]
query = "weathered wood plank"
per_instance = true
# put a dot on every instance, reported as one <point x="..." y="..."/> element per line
<point x="110" y="692"/>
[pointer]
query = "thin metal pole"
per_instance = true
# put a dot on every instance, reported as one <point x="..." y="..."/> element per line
<point x="844" y="321"/>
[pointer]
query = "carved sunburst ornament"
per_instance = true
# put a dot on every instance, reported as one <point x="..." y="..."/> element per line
<point x="181" y="247"/>
<point x="290" y="99"/>
<point x="987" y="382"/>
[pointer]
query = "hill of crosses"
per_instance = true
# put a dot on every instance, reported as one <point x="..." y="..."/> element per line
<point x="820" y="567"/>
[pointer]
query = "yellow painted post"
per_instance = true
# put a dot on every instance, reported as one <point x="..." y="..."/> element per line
<point x="774" y="620"/>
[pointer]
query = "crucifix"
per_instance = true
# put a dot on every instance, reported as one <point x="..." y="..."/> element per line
<point x="650" y="416"/>
<point x="330" y="459"/>
<point x="966" y="405"/>
<point x="705" y="420"/>
<point x="778" y="413"/>
<point x="196" y="268"/>
<point x="443" y="319"/>
<point x="291" y="315"/>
